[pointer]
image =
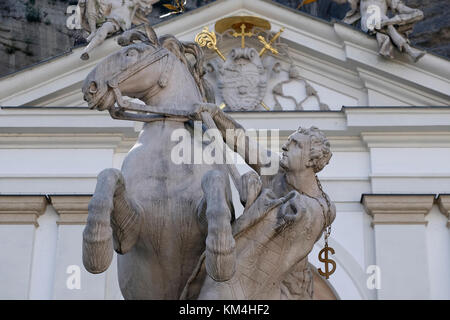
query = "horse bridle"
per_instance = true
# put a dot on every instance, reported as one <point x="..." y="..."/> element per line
<point x="156" y="113"/>
<point x="147" y="60"/>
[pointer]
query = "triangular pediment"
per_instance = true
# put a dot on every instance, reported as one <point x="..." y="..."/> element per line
<point x="339" y="62"/>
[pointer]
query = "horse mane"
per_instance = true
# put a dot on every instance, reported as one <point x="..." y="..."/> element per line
<point x="181" y="50"/>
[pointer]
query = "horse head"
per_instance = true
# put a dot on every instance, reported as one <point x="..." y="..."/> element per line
<point x="140" y="70"/>
<point x="130" y="70"/>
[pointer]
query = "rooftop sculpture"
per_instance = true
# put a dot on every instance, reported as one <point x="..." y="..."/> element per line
<point x="102" y="18"/>
<point x="375" y="19"/>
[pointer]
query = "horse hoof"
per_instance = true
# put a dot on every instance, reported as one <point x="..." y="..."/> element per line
<point x="220" y="255"/>
<point x="220" y="266"/>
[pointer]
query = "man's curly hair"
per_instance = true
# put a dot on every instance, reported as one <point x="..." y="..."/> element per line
<point x="320" y="147"/>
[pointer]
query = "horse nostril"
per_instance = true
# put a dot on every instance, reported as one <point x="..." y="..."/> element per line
<point x="93" y="87"/>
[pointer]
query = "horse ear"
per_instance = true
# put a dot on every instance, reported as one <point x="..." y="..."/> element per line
<point x="151" y="35"/>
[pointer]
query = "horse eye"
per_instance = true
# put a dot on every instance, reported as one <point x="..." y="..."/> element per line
<point x="93" y="87"/>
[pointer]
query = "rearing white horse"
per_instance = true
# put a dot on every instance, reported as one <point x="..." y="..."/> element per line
<point x="153" y="212"/>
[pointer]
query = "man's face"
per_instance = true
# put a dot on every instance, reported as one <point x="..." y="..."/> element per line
<point x="296" y="153"/>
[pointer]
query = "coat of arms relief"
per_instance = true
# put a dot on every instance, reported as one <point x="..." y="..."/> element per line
<point x="257" y="74"/>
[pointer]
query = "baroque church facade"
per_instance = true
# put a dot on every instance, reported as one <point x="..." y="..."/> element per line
<point x="388" y="122"/>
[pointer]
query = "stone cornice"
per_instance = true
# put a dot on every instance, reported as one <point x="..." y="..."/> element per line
<point x="117" y="141"/>
<point x="398" y="209"/>
<point x="21" y="209"/>
<point x="72" y="209"/>
<point x="404" y="92"/>
<point x="444" y="205"/>
<point x="59" y="140"/>
<point x="416" y="118"/>
<point x="406" y="139"/>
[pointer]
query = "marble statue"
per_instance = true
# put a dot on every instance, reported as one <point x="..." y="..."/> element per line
<point x="285" y="215"/>
<point x="102" y="18"/>
<point x="148" y="211"/>
<point x="388" y="30"/>
<point x="170" y="222"/>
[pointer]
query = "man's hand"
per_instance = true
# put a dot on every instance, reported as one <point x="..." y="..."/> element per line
<point x="204" y="107"/>
<point x="251" y="186"/>
<point x="292" y="209"/>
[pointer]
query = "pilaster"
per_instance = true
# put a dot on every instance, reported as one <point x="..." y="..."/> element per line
<point x="400" y="244"/>
<point x="18" y="224"/>
<point x="72" y="210"/>
<point x="444" y="205"/>
<point x="398" y="209"/>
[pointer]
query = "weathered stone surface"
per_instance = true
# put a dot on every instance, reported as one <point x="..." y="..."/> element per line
<point x="151" y="218"/>
<point x="242" y="79"/>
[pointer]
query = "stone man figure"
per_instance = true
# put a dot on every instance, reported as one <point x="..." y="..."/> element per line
<point x="112" y="16"/>
<point x="387" y="30"/>
<point x="285" y="214"/>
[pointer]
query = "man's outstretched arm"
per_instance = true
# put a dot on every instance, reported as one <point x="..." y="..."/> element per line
<point x="234" y="134"/>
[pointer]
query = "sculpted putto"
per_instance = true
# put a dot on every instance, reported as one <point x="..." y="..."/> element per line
<point x="173" y="225"/>
<point x="374" y="17"/>
<point x="102" y="18"/>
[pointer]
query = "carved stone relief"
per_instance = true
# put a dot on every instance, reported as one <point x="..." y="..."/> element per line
<point x="256" y="73"/>
<point x="311" y="93"/>
<point x="242" y="79"/>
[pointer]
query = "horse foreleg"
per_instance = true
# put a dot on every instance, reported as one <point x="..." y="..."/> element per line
<point x="125" y="220"/>
<point x="112" y="216"/>
<point x="220" y="244"/>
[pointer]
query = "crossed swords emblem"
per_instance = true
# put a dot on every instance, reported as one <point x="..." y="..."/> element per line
<point x="208" y="39"/>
